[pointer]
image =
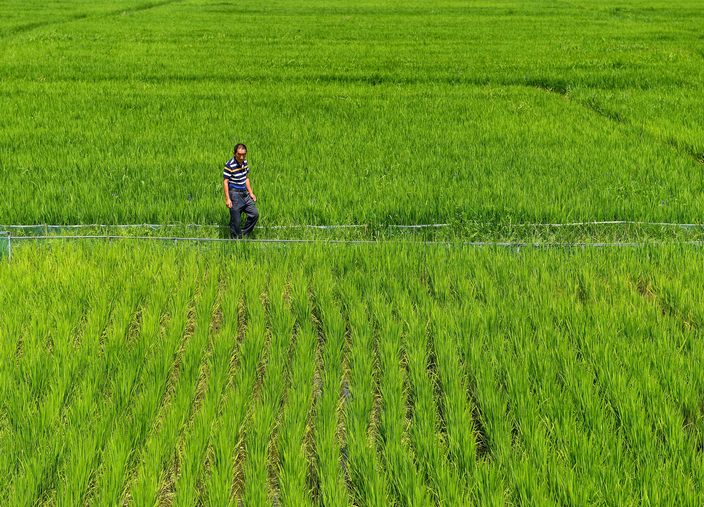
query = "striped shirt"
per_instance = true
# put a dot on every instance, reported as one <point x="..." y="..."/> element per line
<point x="236" y="173"/>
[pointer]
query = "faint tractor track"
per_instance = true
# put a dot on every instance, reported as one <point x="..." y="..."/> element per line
<point x="561" y="88"/>
<point x="28" y="27"/>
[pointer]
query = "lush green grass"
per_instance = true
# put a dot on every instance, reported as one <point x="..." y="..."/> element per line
<point x="371" y="112"/>
<point x="372" y="374"/>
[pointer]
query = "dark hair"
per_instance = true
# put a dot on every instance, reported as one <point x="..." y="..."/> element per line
<point x="238" y="146"/>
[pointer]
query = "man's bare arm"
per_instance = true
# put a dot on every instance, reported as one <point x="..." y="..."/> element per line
<point x="249" y="189"/>
<point x="228" y="202"/>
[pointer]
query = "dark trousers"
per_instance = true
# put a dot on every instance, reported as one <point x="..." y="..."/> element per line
<point x="242" y="202"/>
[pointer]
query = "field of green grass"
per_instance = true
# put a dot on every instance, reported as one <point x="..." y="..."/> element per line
<point x="378" y="112"/>
<point x="338" y="375"/>
<point x="398" y="366"/>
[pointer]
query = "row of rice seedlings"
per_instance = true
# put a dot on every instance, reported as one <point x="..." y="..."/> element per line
<point x="59" y="362"/>
<point x="259" y="448"/>
<point x="583" y="434"/>
<point x="404" y="478"/>
<point x="22" y="286"/>
<point x="530" y="446"/>
<point x="332" y="489"/>
<point x="161" y="444"/>
<point x="103" y="387"/>
<point x="364" y="471"/>
<point x="458" y="427"/>
<point x="294" y="487"/>
<point x="224" y="334"/>
<point x="132" y="415"/>
<point x="99" y="404"/>
<point x="480" y="354"/>
<point x="430" y="449"/>
<point x="457" y="409"/>
<point x="228" y="427"/>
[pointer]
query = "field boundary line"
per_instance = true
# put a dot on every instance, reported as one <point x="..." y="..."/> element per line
<point x="505" y="244"/>
<point x="221" y="226"/>
<point x="356" y="226"/>
<point x="606" y="222"/>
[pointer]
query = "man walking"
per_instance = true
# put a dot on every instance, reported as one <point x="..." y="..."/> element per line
<point x="238" y="193"/>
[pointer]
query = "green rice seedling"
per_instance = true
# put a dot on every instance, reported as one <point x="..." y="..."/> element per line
<point x="267" y="407"/>
<point x="164" y="332"/>
<point x="224" y="329"/>
<point x="56" y="358"/>
<point x="558" y="434"/>
<point x="430" y="450"/>
<point x="364" y="472"/>
<point x="161" y="444"/>
<point x="332" y="488"/>
<point x="480" y="355"/>
<point x="456" y="408"/>
<point x="293" y="486"/>
<point x="403" y="476"/>
<point x="530" y="442"/>
<point x="227" y="433"/>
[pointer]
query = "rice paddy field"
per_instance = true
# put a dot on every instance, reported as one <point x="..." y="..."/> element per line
<point x="453" y="111"/>
<point x="541" y="344"/>
<point x="361" y="375"/>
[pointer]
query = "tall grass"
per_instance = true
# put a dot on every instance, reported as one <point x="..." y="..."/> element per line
<point x="226" y="439"/>
<point x="332" y="487"/>
<point x="260" y="450"/>
<point x="602" y="123"/>
<point x="293" y="469"/>
<point x="371" y="374"/>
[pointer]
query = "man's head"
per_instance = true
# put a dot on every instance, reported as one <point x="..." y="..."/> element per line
<point x="240" y="152"/>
